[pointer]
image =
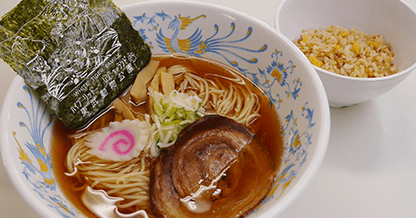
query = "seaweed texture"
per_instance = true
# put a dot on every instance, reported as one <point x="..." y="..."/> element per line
<point x="78" y="55"/>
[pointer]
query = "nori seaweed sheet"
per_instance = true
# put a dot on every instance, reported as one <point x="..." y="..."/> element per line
<point x="78" y="55"/>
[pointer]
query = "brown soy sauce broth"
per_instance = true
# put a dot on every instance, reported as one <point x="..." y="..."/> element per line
<point x="267" y="127"/>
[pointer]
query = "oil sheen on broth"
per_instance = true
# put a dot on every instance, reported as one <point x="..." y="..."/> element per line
<point x="266" y="127"/>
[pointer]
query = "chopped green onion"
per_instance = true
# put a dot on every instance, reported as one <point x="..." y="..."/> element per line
<point x="173" y="113"/>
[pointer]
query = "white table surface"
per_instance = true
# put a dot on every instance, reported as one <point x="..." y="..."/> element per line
<point x="370" y="166"/>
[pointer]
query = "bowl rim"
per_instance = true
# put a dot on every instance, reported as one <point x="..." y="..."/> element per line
<point x="338" y="76"/>
<point x="285" y="201"/>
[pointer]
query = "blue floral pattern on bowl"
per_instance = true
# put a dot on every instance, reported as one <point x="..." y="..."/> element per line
<point x="35" y="157"/>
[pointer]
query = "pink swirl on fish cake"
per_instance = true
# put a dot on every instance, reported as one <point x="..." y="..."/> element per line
<point x="120" y="140"/>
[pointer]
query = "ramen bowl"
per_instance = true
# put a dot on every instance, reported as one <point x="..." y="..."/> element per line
<point x="393" y="20"/>
<point x="221" y="34"/>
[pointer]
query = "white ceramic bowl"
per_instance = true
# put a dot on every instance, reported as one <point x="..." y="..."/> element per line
<point x="394" y="20"/>
<point x="230" y="37"/>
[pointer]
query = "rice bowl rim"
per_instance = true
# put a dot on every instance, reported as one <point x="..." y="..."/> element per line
<point x="368" y="80"/>
<point x="358" y="79"/>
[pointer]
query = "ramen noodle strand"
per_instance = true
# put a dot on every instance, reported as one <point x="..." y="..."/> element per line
<point x="228" y="103"/>
<point x="202" y="86"/>
<point x="249" y="104"/>
<point x="232" y="106"/>
<point x="218" y="97"/>
<point x="132" y="203"/>
<point x="226" y="98"/>
<point x="126" y="179"/>
<point x="133" y="190"/>
<point x="253" y="116"/>
<point x="239" y="104"/>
